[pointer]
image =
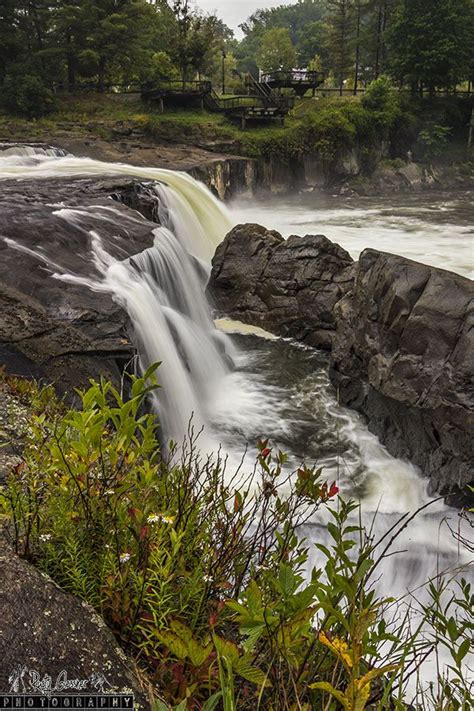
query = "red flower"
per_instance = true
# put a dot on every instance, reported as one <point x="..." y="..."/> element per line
<point x="265" y="452"/>
<point x="333" y="490"/>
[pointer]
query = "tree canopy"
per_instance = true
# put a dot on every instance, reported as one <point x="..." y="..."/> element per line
<point x="51" y="45"/>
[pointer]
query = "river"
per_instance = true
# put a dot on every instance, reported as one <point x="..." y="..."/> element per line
<point x="276" y="389"/>
<point x="434" y="228"/>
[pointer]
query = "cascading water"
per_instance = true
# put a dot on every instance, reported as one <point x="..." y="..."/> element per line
<point x="163" y="294"/>
<point x="163" y="290"/>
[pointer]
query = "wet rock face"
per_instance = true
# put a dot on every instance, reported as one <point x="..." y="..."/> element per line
<point x="50" y="632"/>
<point x="64" y="332"/>
<point x="289" y="287"/>
<point x="402" y="355"/>
<point x="401" y="334"/>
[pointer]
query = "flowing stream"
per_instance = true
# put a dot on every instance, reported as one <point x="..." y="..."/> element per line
<point x="243" y="385"/>
<point x="433" y="228"/>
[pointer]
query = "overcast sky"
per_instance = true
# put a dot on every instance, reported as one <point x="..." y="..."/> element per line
<point x="233" y="12"/>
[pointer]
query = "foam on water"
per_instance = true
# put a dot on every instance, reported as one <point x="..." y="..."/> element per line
<point x="427" y="228"/>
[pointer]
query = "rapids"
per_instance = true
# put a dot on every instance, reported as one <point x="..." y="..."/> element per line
<point x="433" y="228"/>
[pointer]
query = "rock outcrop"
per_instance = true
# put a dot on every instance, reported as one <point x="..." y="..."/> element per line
<point x="401" y="334"/>
<point x="47" y="632"/>
<point x="289" y="287"/>
<point x="402" y="356"/>
<point x="55" y="330"/>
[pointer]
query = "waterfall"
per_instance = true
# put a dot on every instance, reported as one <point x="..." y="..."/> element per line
<point x="161" y="288"/>
<point x="164" y="295"/>
<point x="163" y="291"/>
<point x="199" y="218"/>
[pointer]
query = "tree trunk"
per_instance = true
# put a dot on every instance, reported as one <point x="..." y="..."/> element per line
<point x="71" y="64"/>
<point x="101" y="75"/>
<point x="357" y="57"/>
<point x="378" y="46"/>
<point x="342" y="48"/>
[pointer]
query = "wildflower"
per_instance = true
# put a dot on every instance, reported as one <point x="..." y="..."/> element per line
<point x="45" y="537"/>
<point x="125" y="557"/>
<point x="328" y="493"/>
<point x="167" y="519"/>
<point x="153" y="518"/>
<point x="265" y="452"/>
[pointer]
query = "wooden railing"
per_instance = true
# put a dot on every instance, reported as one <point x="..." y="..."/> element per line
<point x="192" y="87"/>
<point x="296" y="75"/>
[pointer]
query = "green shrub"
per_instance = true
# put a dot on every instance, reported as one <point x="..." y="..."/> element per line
<point x="205" y="575"/>
<point x="27" y="95"/>
<point x="433" y="140"/>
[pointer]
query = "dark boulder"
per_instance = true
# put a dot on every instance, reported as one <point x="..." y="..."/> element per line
<point x="47" y="632"/>
<point x="62" y="331"/>
<point x="289" y="287"/>
<point x="402" y="356"/>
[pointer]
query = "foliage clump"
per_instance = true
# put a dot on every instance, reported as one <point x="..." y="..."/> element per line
<point x="205" y="576"/>
<point x="27" y="95"/>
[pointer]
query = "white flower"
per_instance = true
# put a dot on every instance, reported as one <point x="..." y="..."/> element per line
<point x="167" y="519"/>
<point x="45" y="537"/>
<point x="125" y="557"/>
<point x="153" y="518"/>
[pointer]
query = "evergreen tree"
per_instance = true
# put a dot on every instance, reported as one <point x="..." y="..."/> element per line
<point x="341" y="30"/>
<point x="432" y="43"/>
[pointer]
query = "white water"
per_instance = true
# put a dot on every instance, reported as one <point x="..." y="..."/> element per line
<point x="431" y="228"/>
<point x="276" y="390"/>
<point x="198" y="217"/>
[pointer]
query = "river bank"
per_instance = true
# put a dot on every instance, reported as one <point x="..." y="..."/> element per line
<point x="345" y="146"/>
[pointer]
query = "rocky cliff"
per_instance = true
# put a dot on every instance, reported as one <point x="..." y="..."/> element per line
<point x="289" y="286"/>
<point x="62" y="331"/>
<point x="401" y="335"/>
<point x="49" y="635"/>
<point x="402" y="355"/>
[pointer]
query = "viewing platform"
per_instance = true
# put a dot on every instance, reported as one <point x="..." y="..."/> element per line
<point x="261" y="105"/>
<point x="300" y="80"/>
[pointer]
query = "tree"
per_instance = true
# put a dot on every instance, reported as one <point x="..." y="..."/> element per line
<point x="276" y="51"/>
<point x="341" y="23"/>
<point x="432" y="43"/>
<point x="303" y="21"/>
<point x="195" y="39"/>
<point x="311" y="41"/>
<point x="10" y="39"/>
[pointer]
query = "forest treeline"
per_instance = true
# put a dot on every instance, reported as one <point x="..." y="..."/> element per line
<point x="52" y="45"/>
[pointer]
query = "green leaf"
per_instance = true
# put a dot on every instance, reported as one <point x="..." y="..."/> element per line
<point x="325" y="686"/>
<point x="286" y="578"/>
<point x="462" y="651"/>
<point x="250" y="672"/>
<point x="212" y="702"/>
<point x="226" y="649"/>
<point x="176" y="646"/>
<point x="198" y="653"/>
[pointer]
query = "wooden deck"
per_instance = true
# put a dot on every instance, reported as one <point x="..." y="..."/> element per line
<point x="261" y="105"/>
<point x="299" y="80"/>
